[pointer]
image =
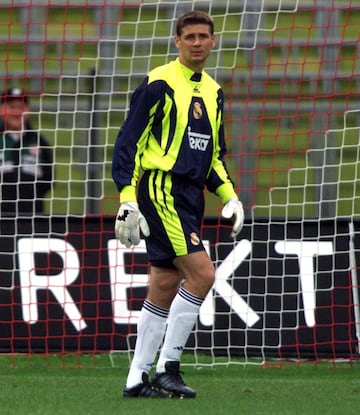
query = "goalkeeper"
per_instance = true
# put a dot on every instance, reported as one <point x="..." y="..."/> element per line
<point x="174" y="134"/>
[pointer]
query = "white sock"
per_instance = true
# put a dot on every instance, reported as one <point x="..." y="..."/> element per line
<point x="183" y="313"/>
<point x="150" y="333"/>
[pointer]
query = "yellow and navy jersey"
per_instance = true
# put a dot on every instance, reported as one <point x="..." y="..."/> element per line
<point x="175" y="124"/>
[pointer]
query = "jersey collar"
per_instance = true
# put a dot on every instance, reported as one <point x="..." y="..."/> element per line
<point x="189" y="73"/>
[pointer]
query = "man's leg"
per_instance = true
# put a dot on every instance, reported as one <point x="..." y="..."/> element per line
<point x="150" y="332"/>
<point x="151" y="328"/>
<point x="199" y="275"/>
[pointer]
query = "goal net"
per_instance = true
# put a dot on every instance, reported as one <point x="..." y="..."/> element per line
<point x="288" y="288"/>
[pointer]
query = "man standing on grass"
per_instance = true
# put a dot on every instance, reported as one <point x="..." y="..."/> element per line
<point x="174" y="133"/>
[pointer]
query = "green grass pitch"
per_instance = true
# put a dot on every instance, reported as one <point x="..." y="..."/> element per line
<point x="322" y="389"/>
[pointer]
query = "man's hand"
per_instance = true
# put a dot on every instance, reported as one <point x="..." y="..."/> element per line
<point x="233" y="209"/>
<point x="128" y="223"/>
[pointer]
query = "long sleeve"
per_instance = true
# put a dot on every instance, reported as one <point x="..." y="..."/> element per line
<point x="218" y="180"/>
<point x="132" y="139"/>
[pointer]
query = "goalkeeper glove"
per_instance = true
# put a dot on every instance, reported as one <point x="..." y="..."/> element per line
<point x="128" y="223"/>
<point x="233" y="209"/>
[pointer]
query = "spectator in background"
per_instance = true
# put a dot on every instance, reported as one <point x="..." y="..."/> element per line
<point x="26" y="171"/>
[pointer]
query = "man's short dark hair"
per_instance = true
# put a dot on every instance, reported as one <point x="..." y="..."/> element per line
<point x="194" y="17"/>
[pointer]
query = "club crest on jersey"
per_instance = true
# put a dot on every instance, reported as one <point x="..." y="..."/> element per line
<point x="197" y="111"/>
<point x="198" y="141"/>
<point x="194" y="238"/>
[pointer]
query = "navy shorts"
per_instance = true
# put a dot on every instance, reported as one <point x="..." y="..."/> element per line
<point x="174" y="210"/>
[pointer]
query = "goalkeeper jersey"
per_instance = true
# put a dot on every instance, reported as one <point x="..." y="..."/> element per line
<point x="175" y="124"/>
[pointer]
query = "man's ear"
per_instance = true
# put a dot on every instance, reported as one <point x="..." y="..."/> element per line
<point x="213" y="41"/>
<point x="177" y="41"/>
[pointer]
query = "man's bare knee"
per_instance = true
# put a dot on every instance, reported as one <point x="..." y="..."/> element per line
<point x="164" y="284"/>
<point x="198" y="271"/>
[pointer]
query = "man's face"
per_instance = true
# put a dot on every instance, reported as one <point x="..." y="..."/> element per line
<point x="195" y="44"/>
<point x="13" y="114"/>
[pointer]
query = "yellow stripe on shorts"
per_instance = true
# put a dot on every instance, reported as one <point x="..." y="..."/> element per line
<point x="164" y="204"/>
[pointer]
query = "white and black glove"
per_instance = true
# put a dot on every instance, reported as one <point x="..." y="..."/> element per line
<point x="233" y="209"/>
<point x="128" y="223"/>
